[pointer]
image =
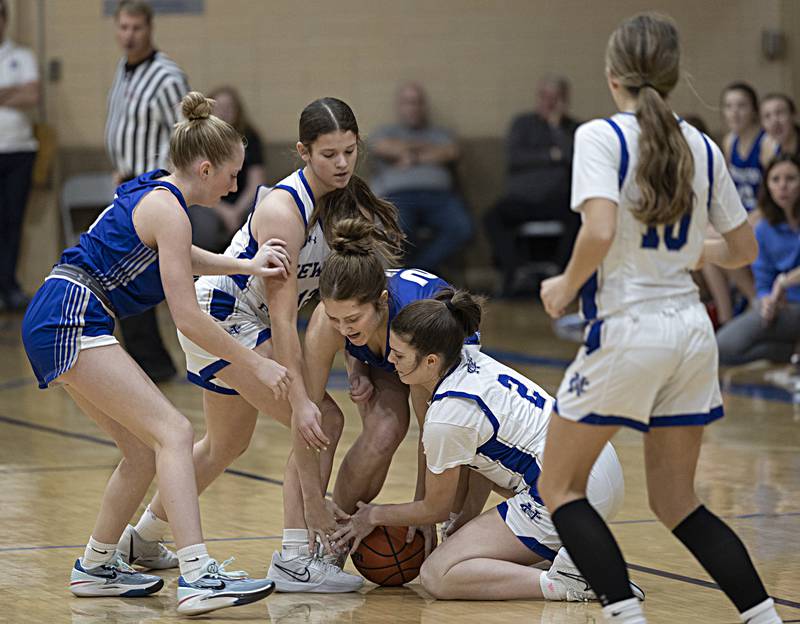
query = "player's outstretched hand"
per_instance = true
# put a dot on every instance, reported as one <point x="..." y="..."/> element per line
<point x="361" y="388"/>
<point x="556" y="295"/>
<point x="428" y="532"/>
<point x="275" y="376"/>
<point x="272" y="260"/>
<point x="359" y="526"/>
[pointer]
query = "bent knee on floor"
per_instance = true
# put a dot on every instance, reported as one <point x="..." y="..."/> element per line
<point x="431" y="576"/>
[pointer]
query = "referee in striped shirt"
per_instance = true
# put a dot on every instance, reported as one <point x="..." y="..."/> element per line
<point x="142" y="109"/>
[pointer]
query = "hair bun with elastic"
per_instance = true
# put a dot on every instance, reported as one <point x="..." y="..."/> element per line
<point x="195" y="105"/>
<point x="353" y="237"/>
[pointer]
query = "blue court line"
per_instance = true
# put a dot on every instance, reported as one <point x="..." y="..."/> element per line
<point x="208" y="539"/>
<point x="10" y="384"/>
<point x="257" y="477"/>
<point x="54" y="469"/>
<point x="633" y="566"/>
<point x="775" y="514"/>
<point x="97" y="440"/>
<point x="752" y="390"/>
<point x="694" y="581"/>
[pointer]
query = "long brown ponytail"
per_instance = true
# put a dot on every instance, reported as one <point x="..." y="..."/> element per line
<point x="644" y="55"/>
<point x="357" y="201"/>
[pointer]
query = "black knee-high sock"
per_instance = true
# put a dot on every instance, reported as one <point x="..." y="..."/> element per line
<point x="594" y="550"/>
<point x="720" y="551"/>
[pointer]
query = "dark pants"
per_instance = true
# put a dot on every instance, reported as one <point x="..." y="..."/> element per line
<point x="504" y="219"/>
<point x="441" y="211"/>
<point x="747" y="337"/>
<point x="15" y="186"/>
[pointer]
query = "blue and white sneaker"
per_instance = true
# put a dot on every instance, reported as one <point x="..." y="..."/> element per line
<point x="150" y="555"/>
<point x="218" y="589"/>
<point x="115" y="578"/>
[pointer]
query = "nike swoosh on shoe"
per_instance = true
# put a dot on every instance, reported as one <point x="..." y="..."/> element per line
<point x="300" y="578"/>
<point x="577" y="577"/>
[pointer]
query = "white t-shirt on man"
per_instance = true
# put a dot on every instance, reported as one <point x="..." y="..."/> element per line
<point x="17" y="67"/>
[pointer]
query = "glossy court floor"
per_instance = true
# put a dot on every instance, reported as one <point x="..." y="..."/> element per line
<point x="54" y="463"/>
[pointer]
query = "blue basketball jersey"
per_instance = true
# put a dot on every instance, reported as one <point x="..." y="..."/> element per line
<point x="404" y="286"/>
<point x="746" y="172"/>
<point x="112" y="252"/>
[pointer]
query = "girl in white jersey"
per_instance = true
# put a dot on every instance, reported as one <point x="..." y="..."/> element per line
<point x="262" y="315"/>
<point x="488" y="418"/>
<point x="646" y="185"/>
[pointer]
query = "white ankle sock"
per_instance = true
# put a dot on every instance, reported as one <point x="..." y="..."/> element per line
<point x="762" y="613"/>
<point x="193" y="561"/>
<point x="97" y="553"/>
<point x="295" y="542"/>
<point x="627" y="611"/>
<point x="150" y="527"/>
<point x="551" y="590"/>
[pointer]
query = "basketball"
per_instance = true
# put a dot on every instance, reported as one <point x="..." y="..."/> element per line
<point x="385" y="558"/>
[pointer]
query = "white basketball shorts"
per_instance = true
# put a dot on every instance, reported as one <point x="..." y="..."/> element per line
<point x="530" y="521"/>
<point x="655" y="367"/>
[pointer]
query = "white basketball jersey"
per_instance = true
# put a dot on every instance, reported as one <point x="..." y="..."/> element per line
<point x="647" y="263"/>
<point x="309" y="262"/>
<point x="508" y="412"/>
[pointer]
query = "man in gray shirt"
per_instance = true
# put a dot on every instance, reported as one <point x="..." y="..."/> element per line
<point x="413" y="165"/>
<point x="539" y="151"/>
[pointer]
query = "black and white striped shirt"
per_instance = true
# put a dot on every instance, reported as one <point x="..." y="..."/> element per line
<point x="143" y="106"/>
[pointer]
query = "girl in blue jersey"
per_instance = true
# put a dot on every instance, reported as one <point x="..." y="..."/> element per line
<point x="647" y="186"/>
<point x="359" y="299"/>
<point x="747" y="153"/>
<point x="744" y="147"/>
<point x="261" y="315"/>
<point x="135" y="254"/>
<point x="779" y="118"/>
<point x="484" y="419"/>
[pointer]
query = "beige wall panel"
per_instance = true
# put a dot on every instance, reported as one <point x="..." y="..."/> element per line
<point x="478" y="59"/>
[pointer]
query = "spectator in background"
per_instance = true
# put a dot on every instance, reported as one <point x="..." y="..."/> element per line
<point x="414" y="164"/>
<point x="747" y="152"/>
<point x="778" y="118"/>
<point x="19" y="89"/>
<point x="212" y="228"/>
<point x="142" y="108"/>
<point x="770" y="329"/>
<point x="539" y="161"/>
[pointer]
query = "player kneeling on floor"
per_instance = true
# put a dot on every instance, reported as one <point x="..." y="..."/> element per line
<point x="487" y="417"/>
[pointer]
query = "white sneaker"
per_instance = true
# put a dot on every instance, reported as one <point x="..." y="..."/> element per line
<point x="115" y="578"/>
<point x="563" y="574"/>
<point x="305" y="573"/>
<point x="217" y="589"/>
<point x="149" y="555"/>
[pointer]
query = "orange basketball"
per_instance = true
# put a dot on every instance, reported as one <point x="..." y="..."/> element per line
<point x="385" y="558"/>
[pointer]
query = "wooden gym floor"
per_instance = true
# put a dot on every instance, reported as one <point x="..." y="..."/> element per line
<point x="54" y="463"/>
